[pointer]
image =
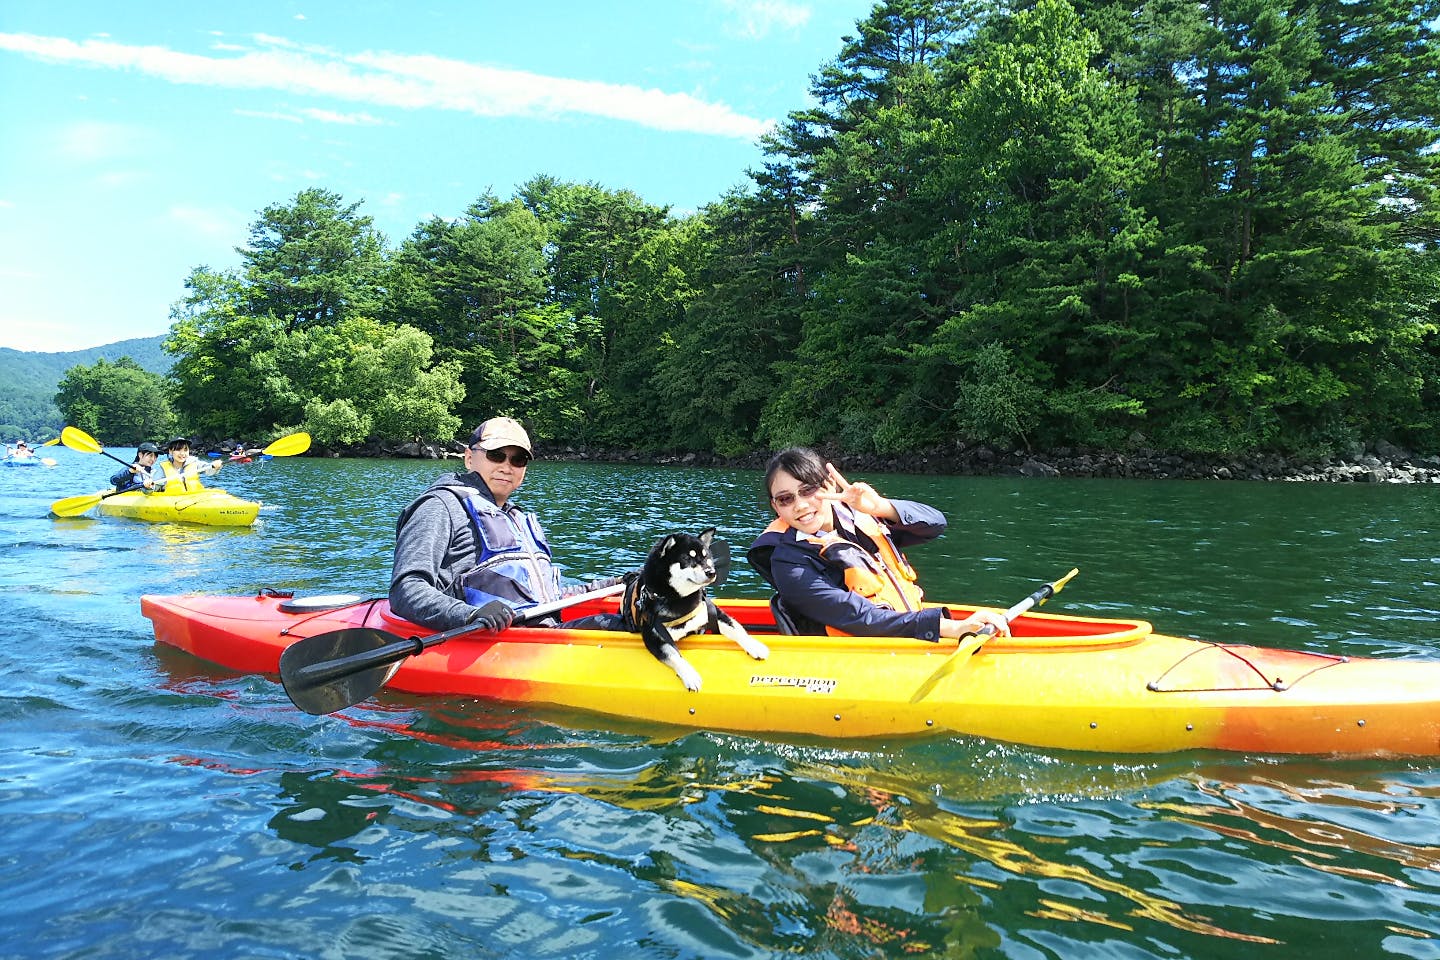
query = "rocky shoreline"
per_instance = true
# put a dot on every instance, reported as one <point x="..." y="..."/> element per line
<point x="1380" y="463"/>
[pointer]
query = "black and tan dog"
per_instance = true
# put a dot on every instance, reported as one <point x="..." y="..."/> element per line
<point x="665" y="602"/>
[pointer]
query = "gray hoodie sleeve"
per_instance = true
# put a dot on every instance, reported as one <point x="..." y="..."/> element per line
<point x="428" y="566"/>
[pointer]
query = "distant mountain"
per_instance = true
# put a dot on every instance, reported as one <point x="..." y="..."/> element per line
<point x="29" y="379"/>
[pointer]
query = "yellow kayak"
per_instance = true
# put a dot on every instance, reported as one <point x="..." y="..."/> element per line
<point x="211" y="506"/>
<point x="1071" y="683"/>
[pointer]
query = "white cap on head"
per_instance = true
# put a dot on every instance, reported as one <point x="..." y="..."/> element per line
<point x="500" y="432"/>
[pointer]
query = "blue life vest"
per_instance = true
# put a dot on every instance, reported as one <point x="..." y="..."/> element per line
<point x="512" y="557"/>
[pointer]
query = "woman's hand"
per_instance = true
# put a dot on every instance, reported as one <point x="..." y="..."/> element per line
<point x="955" y="629"/>
<point x="860" y="496"/>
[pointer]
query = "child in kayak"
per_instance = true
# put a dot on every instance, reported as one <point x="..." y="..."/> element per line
<point x="137" y="476"/>
<point x="178" y="472"/>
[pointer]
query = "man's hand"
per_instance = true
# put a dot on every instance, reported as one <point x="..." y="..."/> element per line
<point x="494" y="616"/>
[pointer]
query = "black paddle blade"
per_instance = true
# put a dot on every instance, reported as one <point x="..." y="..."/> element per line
<point x="720" y="554"/>
<point x="335" y="670"/>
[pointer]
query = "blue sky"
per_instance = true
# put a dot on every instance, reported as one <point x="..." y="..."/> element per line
<point x="141" y="139"/>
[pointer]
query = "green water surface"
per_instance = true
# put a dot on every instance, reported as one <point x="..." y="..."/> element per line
<point x="156" y="806"/>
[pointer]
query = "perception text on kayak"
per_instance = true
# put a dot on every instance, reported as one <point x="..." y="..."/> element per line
<point x="812" y="684"/>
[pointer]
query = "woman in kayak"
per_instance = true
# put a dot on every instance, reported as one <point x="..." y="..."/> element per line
<point x="833" y="555"/>
<point x="178" y="472"/>
<point x="137" y="476"/>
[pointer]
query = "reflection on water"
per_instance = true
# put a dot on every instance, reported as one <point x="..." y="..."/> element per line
<point x="890" y="848"/>
<point x="164" y="806"/>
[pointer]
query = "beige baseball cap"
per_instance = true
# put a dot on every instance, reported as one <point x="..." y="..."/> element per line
<point x="500" y="432"/>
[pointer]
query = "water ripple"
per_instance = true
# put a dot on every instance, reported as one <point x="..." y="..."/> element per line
<point x="154" y="805"/>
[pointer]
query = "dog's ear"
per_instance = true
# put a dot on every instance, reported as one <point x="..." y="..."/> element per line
<point x="706" y="536"/>
<point x="665" y="544"/>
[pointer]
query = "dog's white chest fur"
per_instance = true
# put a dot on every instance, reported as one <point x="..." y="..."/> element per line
<point x="693" y="624"/>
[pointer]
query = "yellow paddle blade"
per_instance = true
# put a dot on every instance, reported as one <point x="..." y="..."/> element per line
<point x="74" y="506"/>
<point x="51" y="442"/>
<point x="48" y="461"/>
<point x="288" y="446"/>
<point x="1059" y="585"/>
<point x="77" y="439"/>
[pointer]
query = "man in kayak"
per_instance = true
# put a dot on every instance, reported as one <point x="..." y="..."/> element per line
<point x="22" y="450"/>
<point x="138" y="476"/>
<point x="464" y="544"/>
<point x="833" y="556"/>
<point x="178" y="473"/>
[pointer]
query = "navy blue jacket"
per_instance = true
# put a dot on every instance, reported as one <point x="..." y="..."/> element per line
<point x="125" y="480"/>
<point x="813" y="591"/>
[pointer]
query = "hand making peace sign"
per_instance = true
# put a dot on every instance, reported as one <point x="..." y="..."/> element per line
<point x="859" y="496"/>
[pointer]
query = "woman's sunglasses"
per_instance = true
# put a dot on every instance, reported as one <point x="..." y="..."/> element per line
<point x="788" y="497"/>
<point x="517" y="459"/>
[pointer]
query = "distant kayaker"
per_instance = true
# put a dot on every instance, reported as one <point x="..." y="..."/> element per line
<point x="138" y="475"/>
<point x="463" y="545"/>
<point x="178" y="472"/>
<point x="21" y="450"/>
<point x="833" y="555"/>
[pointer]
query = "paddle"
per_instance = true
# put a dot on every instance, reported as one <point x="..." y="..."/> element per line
<point x="77" y="439"/>
<point x="334" y="670"/>
<point x="971" y="642"/>
<point x="286" y="446"/>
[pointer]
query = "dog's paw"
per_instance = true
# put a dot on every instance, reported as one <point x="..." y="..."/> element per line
<point x="688" y="675"/>
<point x="754" y="647"/>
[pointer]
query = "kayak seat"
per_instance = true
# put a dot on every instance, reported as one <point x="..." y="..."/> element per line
<point x="784" y="623"/>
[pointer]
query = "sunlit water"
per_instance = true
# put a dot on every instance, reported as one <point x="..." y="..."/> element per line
<point x="154" y="806"/>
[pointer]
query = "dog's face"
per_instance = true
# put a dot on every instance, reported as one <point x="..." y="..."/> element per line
<point x="684" y="561"/>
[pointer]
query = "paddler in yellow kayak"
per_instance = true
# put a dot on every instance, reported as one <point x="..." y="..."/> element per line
<point x="178" y="472"/>
<point x="140" y="474"/>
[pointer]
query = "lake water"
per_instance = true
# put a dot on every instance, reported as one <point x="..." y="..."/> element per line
<point x="155" y="806"/>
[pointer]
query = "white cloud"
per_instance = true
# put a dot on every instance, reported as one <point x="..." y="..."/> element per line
<point x="312" y="113"/>
<point x="404" y="81"/>
<point x="330" y="116"/>
<point x="755" y="19"/>
<point x="269" y="115"/>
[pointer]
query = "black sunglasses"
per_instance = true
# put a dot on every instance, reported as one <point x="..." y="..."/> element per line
<point x="517" y="459"/>
<point x="785" y="499"/>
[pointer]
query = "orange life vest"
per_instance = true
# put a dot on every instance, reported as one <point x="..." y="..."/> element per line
<point x="885" y="578"/>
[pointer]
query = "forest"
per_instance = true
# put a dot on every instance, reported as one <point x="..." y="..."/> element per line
<point x="29" y="382"/>
<point x="1207" y="227"/>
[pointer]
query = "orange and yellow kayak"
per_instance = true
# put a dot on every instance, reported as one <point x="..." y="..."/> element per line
<point x="1062" y="682"/>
